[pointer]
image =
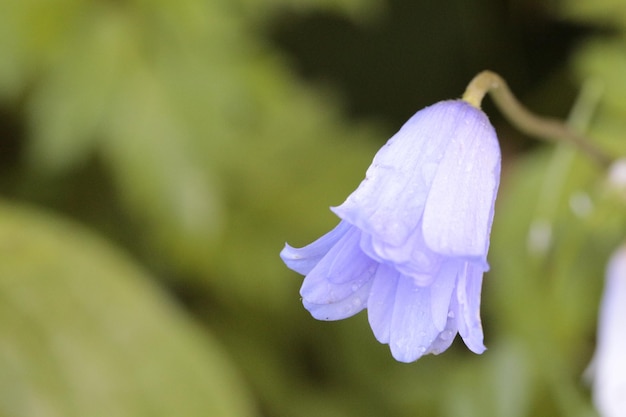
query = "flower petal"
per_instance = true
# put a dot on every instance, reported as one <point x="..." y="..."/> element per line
<point x="303" y="260"/>
<point x="414" y="258"/>
<point x="468" y="297"/>
<point x="441" y="294"/>
<point x="389" y="202"/>
<point x="340" y="273"/>
<point x="339" y="310"/>
<point x="381" y="301"/>
<point x="446" y="336"/>
<point x="609" y="380"/>
<point x="459" y="209"/>
<point x="412" y="330"/>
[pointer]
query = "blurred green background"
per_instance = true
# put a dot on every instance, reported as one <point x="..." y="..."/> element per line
<point x="156" y="155"/>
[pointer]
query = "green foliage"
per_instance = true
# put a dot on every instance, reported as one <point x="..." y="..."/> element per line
<point x="86" y="332"/>
<point x="549" y="256"/>
<point x="602" y="11"/>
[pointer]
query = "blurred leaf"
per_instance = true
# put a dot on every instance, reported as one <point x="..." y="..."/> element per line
<point x="598" y="11"/>
<point x="162" y="182"/>
<point x="548" y="254"/>
<point x="32" y="33"/>
<point x="357" y="9"/>
<point x="75" y="97"/>
<point x="606" y="63"/>
<point x="84" y="332"/>
<point x="498" y="384"/>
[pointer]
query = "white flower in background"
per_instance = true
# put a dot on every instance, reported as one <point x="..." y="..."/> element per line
<point x="609" y="364"/>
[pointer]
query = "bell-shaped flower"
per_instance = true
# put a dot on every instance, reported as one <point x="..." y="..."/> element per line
<point x="609" y="363"/>
<point x="412" y="243"/>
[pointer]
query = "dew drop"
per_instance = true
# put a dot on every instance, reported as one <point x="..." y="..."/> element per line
<point x="451" y="314"/>
<point x="446" y="335"/>
<point x="399" y="344"/>
<point x="355" y="287"/>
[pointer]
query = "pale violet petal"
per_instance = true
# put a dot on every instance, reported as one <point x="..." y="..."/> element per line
<point x="412" y="331"/>
<point x="609" y="379"/>
<point x="414" y="258"/>
<point x="459" y="209"/>
<point x="442" y="342"/>
<point x="340" y="310"/>
<point x="389" y="202"/>
<point x="343" y="270"/>
<point x="346" y="262"/>
<point x="468" y="297"/>
<point x="303" y="260"/>
<point x="441" y="291"/>
<point x="447" y="335"/>
<point x="381" y="301"/>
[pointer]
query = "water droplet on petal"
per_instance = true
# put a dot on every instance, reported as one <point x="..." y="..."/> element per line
<point x="446" y="335"/>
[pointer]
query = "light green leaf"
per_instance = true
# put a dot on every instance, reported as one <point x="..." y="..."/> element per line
<point x="69" y="109"/>
<point x="160" y="178"/>
<point x="85" y="332"/>
<point x="606" y="63"/>
<point x="31" y="35"/>
<point x="548" y="249"/>
<point x="598" y="11"/>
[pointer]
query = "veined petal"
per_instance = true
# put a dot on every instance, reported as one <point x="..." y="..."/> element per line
<point x="441" y="294"/>
<point x="447" y="335"/>
<point x="381" y="301"/>
<point x="414" y="258"/>
<point x="388" y="204"/>
<point x="340" y="273"/>
<point x="339" y="310"/>
<point x="303" y="260"/>
<point x="468" y="297"/>
<point x="459" y="209"/>
<point x="412" y="331"/>
<point x="609" y="379"/>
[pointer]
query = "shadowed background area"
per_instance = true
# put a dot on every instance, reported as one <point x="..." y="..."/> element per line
<point x="155" y="157"/>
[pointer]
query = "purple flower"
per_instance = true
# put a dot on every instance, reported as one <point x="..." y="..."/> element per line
<point x="412" y="243"/>
<point x="609" y="363"/>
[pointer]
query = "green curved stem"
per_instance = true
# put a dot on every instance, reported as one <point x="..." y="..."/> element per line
<point x="530" y="124"/>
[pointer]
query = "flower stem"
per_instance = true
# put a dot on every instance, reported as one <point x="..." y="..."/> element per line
<point x="532" y="125"/>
